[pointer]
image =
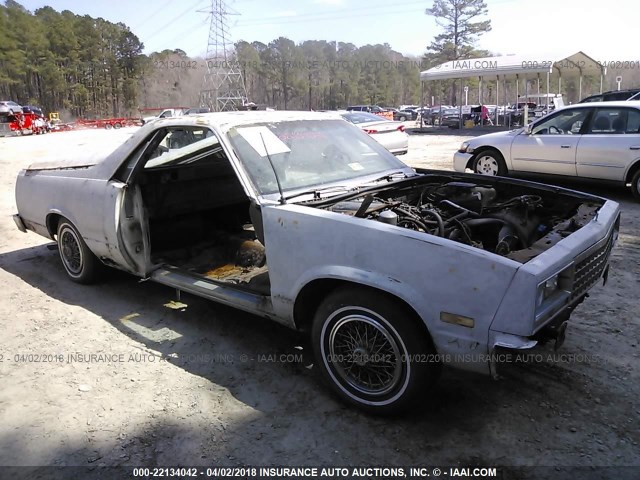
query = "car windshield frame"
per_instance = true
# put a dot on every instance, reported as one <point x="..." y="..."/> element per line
<point x="308" y="154"/>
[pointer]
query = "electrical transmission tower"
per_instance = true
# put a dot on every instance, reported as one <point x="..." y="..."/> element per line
<point x="223" y="87"/>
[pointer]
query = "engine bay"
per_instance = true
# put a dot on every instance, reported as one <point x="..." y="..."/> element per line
<point x="514" y="221"/>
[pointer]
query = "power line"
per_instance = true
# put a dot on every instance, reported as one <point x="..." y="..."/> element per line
<point x="306" y="20"/>
<point x="326" y="15"/>
<point x="158" y="10"/>
<point x="161" y="29"/>
<point x="183" y="34"/>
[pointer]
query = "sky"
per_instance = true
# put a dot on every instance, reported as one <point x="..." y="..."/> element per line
<point x="544" y="30"/>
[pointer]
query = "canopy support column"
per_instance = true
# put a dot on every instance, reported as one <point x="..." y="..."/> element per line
<point x="580" y="87"/>
<point x="497" y="98"/>
<point x="548" y="81"/>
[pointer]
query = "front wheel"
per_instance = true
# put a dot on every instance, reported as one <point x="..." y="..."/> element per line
<point x="635" y="185"/>
<point x="79" y="262"/>
<point x="489" y="162"/>
<point x="374" y="352"/>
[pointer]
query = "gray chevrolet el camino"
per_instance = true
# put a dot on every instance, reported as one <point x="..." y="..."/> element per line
<point x="302" y="218"/>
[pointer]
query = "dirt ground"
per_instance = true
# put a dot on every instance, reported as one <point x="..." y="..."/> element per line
<point x="111" y="375"/>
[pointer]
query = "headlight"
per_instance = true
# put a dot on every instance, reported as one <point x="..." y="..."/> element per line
<point x="465" y="148"/>
<point x="546" y="289"/>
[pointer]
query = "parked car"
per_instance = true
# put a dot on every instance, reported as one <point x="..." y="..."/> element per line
<point x="365" y="108"/>
<point x="196" y="110"/>
<point x="32" y="109"/>
<point x="598" y="141"/>
<point x="406" y="114"/>
<point x="388" y="133"/>
<point x="302" y="218"/>
<point x="431" y="116"/>
<point x="450" y="117"/>
<point x="9" y="107"/>
<point x="613" y="95"/>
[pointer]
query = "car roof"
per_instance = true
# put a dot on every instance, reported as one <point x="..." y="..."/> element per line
<point x="614" y="103"/>
<point x="626" y="90"/>
<point x="221" y="121"/>
<point x="226" y="120"/>
<point x="630" y="92"/>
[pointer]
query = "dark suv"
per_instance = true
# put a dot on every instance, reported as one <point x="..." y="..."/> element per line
<point x="614" y="95"/>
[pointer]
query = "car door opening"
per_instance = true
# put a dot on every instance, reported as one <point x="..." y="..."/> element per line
<point x="198" y="216"/>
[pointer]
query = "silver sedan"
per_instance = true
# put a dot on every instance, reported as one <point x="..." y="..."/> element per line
<point x="7" y="106"/>
<point x="388" y="133"/>
<point x="598" y="141"/>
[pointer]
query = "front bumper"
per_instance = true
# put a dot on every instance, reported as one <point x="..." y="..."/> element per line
<point x="550" y="323"/>
<point x="460" y="161"/>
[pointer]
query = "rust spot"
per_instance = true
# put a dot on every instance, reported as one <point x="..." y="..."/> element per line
<point x="222" y="271"/>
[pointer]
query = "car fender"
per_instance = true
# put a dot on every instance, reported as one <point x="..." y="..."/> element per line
<point x="633" y="165"/>
<point x="431" y="274"/>
<point x="501" y="143"/>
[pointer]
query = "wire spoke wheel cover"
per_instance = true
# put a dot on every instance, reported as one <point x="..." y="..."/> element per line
<point x="365" y="355"/>
<point x="70" y="251"/>
<point x="372" y="350"/>
<point x="78" y="260"/>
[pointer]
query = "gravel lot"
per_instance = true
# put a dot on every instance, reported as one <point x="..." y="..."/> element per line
<point x="208" y="385"/>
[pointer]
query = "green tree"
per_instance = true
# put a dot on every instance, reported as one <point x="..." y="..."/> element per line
<point x="461" y="27"/>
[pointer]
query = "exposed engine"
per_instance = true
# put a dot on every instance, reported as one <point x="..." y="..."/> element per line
<point x="516" y="226"/>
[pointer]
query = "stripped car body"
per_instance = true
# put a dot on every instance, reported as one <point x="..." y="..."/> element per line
<point x="281" y="213"/>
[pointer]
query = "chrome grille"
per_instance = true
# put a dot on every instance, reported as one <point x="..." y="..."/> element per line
<point x="590" y="267"/>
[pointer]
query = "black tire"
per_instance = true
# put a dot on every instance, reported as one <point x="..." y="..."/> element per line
<point x="79" y="262"/>
<point x="108" y="126"/>
<point x="399" y="348"/>
<point x="489" y="162"/>
<point x="403" y="118"/>
<point x="635" y="185"/>
<point x="117" y="125"/>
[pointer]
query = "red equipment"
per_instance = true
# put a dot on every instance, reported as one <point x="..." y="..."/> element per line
<point x="25" y="123"/>
<point x="108" y="123"/>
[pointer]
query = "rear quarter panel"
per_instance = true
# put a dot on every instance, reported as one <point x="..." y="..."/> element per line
<point x="41" y="193"/>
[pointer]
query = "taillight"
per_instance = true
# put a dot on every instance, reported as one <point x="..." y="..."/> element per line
<point x="401" y="128"/>
<point x="370" y="130"/>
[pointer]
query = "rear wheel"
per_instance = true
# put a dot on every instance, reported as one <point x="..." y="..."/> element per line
<point x="79" y="262"/>
<point x="489" y="162"/>
<point x="374" y="353"/>
<point x="117" y="125"/>
<point x="635" y="185"/>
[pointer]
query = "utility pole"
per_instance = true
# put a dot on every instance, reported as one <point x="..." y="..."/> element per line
<point x="223" y="87"/>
